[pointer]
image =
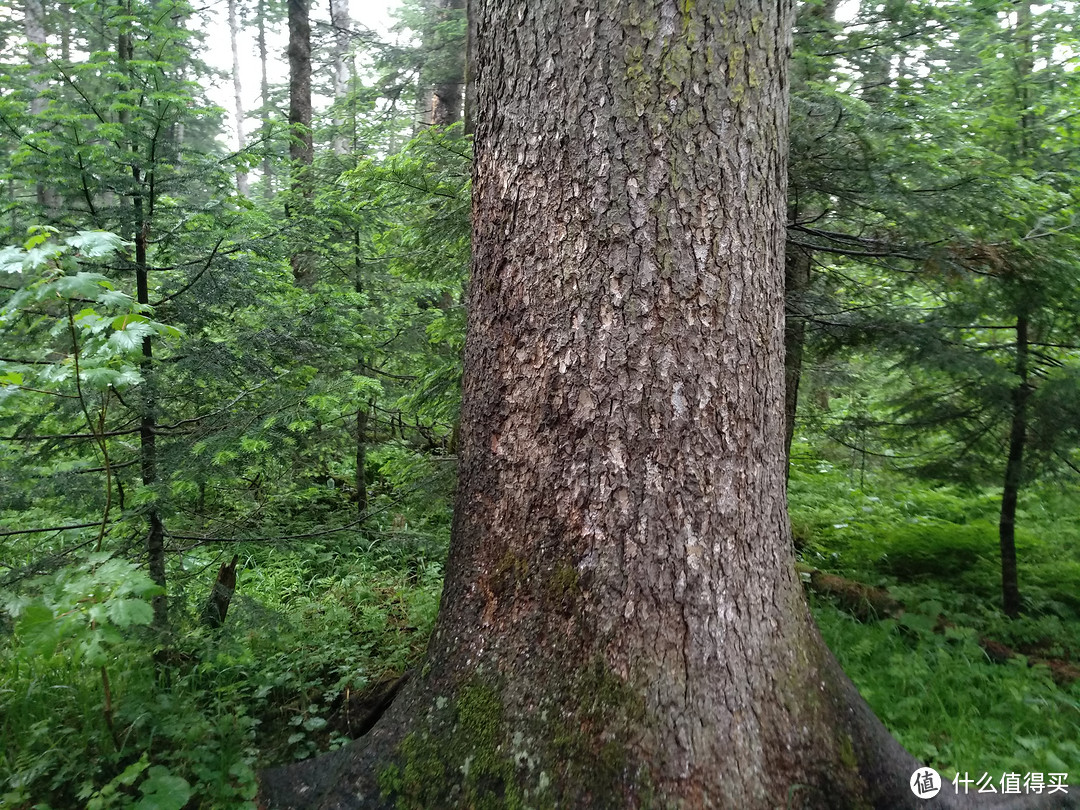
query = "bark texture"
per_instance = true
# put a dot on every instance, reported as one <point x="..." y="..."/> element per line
<point x="216" y="607"/>
<point x="621" y="624"/>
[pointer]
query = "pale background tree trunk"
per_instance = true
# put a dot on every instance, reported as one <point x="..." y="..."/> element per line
<point x="238" y="103"/>
<point x="264" y="92"/>
<point x="340" y="22"/>
<point x="36" y="40"/>
<point x="442" y="77"/>
<point x="301" y="146"/>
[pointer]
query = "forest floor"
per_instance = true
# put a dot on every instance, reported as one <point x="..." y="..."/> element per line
<point x="902" y="576"/>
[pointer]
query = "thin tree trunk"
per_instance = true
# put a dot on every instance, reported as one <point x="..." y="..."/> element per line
<point x="797" y="265"/>
<point x="364" y="409"/>
<point x="301" y="146"/>
<point x="34" y="27"/>
<point x="1014" y="464"/>
<point x="361" y="459"/>
<point x="66" y="22"/>
<point x="340" y="22"/>
<point x="264" y="90"/>
<point x="216" y="607"/>
<point x="470" y="68"/>
<point x="238" y="99"/>
<point x="155" y="535"/>
<point x="798" y="262"/>
<point x="1014" y="474"/>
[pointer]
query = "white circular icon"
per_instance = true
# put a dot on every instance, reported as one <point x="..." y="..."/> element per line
<point x="925" y="783"/>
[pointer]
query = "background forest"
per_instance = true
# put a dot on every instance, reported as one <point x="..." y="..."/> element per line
<point x="230" y="366"/>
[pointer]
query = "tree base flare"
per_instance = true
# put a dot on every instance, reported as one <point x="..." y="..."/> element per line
<point x="432" y="750"/>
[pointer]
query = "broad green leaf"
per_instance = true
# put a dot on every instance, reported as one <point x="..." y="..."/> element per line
<point x="124" y="321"/>
<point x="81" y="285"/>
<point x="11" y="260"/>
<point x="94" y="244"/>
<point x="126" y="612"/>
<point x="115" y="298"/>
<point x="130" y="338"/>
<point x="133" y="771"/>
<point x="163" y="791"/>
<point x="39" y="256"/>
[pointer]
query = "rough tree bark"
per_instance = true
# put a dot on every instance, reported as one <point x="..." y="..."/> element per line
<point x="621" y="624"/>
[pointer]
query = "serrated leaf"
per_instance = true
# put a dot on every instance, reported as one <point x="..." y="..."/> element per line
<point x="39" y="256"/>
<point x="114" y="298"/>
<point x="81" y="285"/>
<point x="130" y="338"/>
<point x="94" y="244"/>
<point x="11" y="260"/>
<point x="126" y="612"/>
<point x="124" y="321"/>
<point x="99" y="378"/>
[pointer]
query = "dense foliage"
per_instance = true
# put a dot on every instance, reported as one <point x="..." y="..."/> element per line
<point x="172" y="393"/>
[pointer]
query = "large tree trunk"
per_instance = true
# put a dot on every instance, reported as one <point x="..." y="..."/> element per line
<point x="621" y="624"/>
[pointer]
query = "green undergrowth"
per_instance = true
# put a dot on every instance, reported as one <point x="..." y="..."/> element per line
<point x="95" y="712"/>
<point x="927" y="673"/>
<point x="951" y="706"/>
